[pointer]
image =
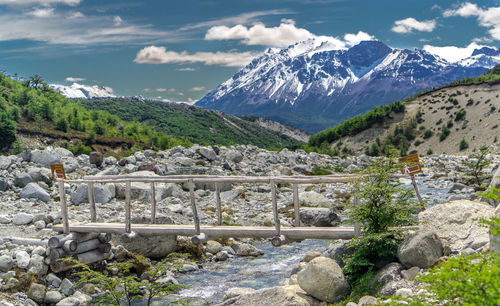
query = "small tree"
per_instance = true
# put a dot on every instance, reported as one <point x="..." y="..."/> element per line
<point x="463" y="144"/>
<point x="476" y="164"/>
<point x="383" y="204"/>
<point x="62" y="125"/>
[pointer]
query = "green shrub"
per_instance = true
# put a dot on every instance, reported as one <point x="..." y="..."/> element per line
<point x="7" y="130"/>
<point x="476" y="164"/>
<point x="428" y="133"/>
<point x="429" y="151"/>
<point x="460" y="115"/>
<point x="62" y="125"/>
<point x="445" y="131"/>
<point x="463" y="145"/>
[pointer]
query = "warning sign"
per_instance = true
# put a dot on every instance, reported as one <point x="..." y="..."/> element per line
<point x="410" y="165"/>
<point x="57" y="171"/>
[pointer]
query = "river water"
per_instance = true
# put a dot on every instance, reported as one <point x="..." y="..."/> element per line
<point x="208" y="285"/>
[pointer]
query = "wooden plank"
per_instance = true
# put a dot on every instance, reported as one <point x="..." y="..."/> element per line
<point x="218" y="203"/>
<point x="296" y="204"/>
<point x="64" y="207"/>
<point x="128" y="208"/>
<point x="193" y="207"/>
<point x="275" y="208"/>
<point x="295" y="233"/>
<point x="93" y="213"/>
<point x="153" y="203"/>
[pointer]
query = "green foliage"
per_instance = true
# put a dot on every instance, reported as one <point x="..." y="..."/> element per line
<point x="186" y="124"/>
<point x="427" y="134"/>
<point x="7" y="130"/>
<point x="429" y="151"/>
<point x="476" y="164"/>
<point x="126" y="287"/>
<point x="318" y="170"/>
<point x="357" y="124"/>
<point x="460" y="115"/>
<point x="445" y="131"/>
<point x="383" y="204"/>
<point x="466" y="280"/>
<point x="79" y="149"/>
<point x="62" y="125"/>
<point x="463" y="144"/>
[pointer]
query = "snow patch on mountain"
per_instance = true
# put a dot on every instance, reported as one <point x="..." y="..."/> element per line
<point x="79" y="91"/>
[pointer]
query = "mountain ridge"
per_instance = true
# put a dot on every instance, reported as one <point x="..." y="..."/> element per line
<point x="312" y="86"/>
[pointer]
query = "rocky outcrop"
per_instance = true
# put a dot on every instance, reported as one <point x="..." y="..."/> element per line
<point x="457" y="222"/>
<point x="323" y="279"/>
<point x="281" y="295"/>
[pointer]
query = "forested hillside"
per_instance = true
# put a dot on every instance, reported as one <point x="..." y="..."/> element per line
<point x="196" y="124"/>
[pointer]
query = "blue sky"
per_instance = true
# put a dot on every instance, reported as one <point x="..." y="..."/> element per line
<point x="179" y="50"/>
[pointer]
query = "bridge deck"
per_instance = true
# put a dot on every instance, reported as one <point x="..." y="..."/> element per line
<point x="294" y="233"/>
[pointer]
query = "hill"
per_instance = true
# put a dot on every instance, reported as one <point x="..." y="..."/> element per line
<point x="313" y="85"/>
<point x="199" y="125"/>
<point x="455" y="119"/>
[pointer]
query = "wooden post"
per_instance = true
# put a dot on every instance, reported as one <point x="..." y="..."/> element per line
<point x="26" y="241"/>
<point x="218" y="203"/>
<point x="90" y="245"/>
<point x="193" y="207"/>
<point x="64" y="207"/>
<point x="104" y="237"/>
<point x="70" y="246"/>
<point x="199" y="239"/>
<point x="275" y="208"/>
<point x="93" y="214"/>
<point x="296" y="204"/>
<point x="414" y="182"/>
<point x="128" y="227"/>
<point x="153" y="203"/>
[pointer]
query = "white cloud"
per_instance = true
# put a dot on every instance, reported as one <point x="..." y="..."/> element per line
<point x="283" y="35"/>
<point x="186" y="69"/>
<point x="146" y="89"/>
<point x="198" y="88"/>
<point x="38" y="2"/>
<point x="354" y="39"/>
<point x="76" y="15"/>
<point x="410" y="24"/>
<point x="72" y="79"/>
<point x="42" y="12"/>
<point x="117" y="21"/>
<point x="488" y="18"/>
<point x="160" y="55"/>
<point x="161" y="89"/>
<point x="452" y="53"/>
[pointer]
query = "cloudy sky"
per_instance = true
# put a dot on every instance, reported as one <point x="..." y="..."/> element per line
<point x="179" y="50"/>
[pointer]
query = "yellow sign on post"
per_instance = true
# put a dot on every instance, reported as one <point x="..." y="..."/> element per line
<point x="410" y="165"/>
<point x="57" y="171"/>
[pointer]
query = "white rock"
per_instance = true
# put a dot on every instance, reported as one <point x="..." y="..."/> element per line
<point x="22" y="219"/>
<point x="403" y="292"/>
<point x="22" y="259"/>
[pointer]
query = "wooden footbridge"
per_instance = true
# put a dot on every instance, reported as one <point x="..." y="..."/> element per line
<point x="200" y="232"/>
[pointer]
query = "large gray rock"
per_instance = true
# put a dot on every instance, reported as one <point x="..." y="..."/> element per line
<point x="318" y="216"/>
<point x="207" y="153"/>
<point x="281" y="295"/>
<point x="37" y="292"/>
<point x="6" y="263"/>
<point x="34" y="191"/>
<point x="37" y="266"/>
<point x="96" y="158"/>
<point x="313" y="199"/>
<point x="213" y="247"/>
<point x="323" y="279"/>
<point x="46" y="157"/>
<point x="40" y="174"/>
<point x="102" y="193"/>
<point x="388" y="279"/>
<point x="22" y="179"/>
<point x="234" y="156"/>
<point x="22" y="259"/>
<point x="338" y="251"/>
<point x="53" y="296"/>
<point x="150" y="246"/>
<point x="458" y="222"/>
<point x="69" y="301"/>
<point x="422" y="249"/>
<point x="245" y="249"/>
<point x="142" y="191"/>
<point x="4" y="185"/>
<point x="22" y="219"/>
<point x="5" y="162"/>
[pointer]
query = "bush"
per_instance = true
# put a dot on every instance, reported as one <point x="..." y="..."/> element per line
<point x="62" y="125"/>
<point x="476" y="164"/>
<point x="7" y="130"/>
<point x="460" y="115"/>
<point x="463" y="145"/>
<point x="428" y="133"/>
<point x="429" y="151"/>
<point x="444" y="133"/>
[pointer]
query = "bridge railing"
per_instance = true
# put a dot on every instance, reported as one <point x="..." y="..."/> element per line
<point x="191" y="180"/>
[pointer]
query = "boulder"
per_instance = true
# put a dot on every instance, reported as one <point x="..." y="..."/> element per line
<point x="457" y="222"/>
<point x="245" y="249"/>
<point x="34" y="191"/>
<point x="96" y="158"/>
<point x="318" y="216"/>
<point x="22" y="179"/>
<point x="5" y="162"/>
<point x="4" y="185"/>
<point x="45" y="157"/>
<point x="281" y="295"/>
<point x="102" y="193"/>
<point x="338" y="251"/>
<point x="22" y="259"/>
<point x="367" y="300"/>
<point x="36" y="292"/>
<point x="388" y="279"/>
<point x="6" y="263"/>
<point x="213" y="247"/>
<point x="142" y="191"/>
<point x="37" y="266"/>
<point x="53" y="296"/>
<point x="237" y="291"/>
<point x="149" y="246"/>
<point x="40" y="174"/>
<point x="69" y="301"/>
<point x="422" y="249"/>
<point x="234" y="156"/>
<point x="66" y="287"/>
<point x="207" y="153"/>
<point x="313" y="199"/>
<point x="22" y="219"/>
<point x="323" y="279"/>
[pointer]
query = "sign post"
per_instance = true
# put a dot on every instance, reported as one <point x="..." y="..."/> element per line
<point x="410" y="165"/>
<point x="57" y="172"/>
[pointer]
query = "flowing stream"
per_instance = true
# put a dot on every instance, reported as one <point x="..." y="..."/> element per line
<point x="208" y="285"/>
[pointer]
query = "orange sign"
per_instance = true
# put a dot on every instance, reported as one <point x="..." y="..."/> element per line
<point x="57" y="171"/>
<point x="410" y="165"/>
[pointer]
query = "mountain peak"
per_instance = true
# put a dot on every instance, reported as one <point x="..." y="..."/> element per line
<point x="486" y="51"/>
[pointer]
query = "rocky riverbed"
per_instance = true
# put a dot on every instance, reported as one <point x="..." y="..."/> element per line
<point x="29" y="207"/>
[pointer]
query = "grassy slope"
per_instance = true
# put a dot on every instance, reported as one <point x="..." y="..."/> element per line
<point x="195" y="124"/>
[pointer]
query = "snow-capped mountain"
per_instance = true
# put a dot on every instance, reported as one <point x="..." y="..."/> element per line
<point x="312" y="85"/>
<point x="83" y="91"/>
